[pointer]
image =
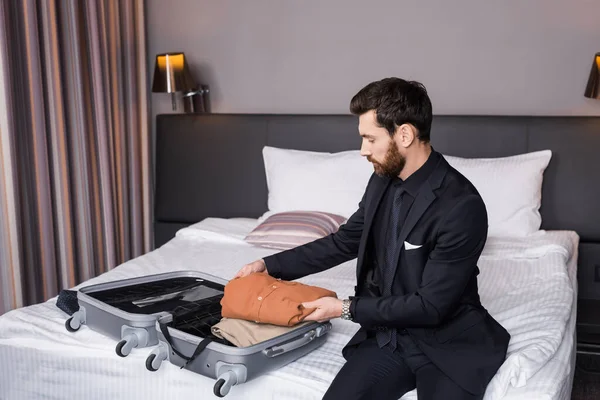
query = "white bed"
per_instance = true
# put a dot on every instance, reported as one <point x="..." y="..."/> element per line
<point x="529" y="285"/>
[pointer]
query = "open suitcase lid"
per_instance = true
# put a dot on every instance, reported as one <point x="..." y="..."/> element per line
<point x="157" y="294"/>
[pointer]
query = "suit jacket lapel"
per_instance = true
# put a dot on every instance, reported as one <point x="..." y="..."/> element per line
<point x="424" y="198"/>
<point x="422" y="202"/>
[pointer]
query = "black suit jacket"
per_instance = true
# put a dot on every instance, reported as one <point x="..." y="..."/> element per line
<point x="434" y="293"/>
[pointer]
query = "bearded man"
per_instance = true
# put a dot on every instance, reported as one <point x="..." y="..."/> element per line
<point x="417" y="235"/>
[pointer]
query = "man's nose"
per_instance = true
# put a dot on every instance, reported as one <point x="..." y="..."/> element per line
<point x="364" y="151"/>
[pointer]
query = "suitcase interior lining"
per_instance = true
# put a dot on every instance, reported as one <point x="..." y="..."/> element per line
<point x="164" y="295"/>
<point x="194" y="315"/>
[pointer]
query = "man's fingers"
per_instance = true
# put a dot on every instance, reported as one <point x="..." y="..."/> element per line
<point x="241" y="273"/>
<point x="309" y="304"/>
<point x="315" y="315"/>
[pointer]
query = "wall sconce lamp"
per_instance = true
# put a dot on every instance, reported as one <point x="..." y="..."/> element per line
<point x="171" y="75"/>
<point x="592" y="89"/>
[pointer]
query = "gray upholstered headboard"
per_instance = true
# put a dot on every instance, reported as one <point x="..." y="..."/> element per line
<point x="211" y="165"/>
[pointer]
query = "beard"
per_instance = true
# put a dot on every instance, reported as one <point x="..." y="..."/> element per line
<point x="392" y="164"/>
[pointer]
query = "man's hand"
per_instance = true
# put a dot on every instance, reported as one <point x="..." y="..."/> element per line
<point x="255" y="266"/>
<point x="326" y="309"/>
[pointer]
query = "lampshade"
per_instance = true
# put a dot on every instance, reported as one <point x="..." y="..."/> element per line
<point x="171" y="74"/>
<point x="592" y="89"/>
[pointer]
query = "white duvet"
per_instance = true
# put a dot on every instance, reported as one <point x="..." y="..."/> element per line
<point x="528" y="285"/>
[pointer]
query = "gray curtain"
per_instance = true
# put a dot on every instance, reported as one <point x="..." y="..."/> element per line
<point x="74" y="166"/>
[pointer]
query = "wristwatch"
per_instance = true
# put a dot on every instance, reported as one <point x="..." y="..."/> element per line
<point x="346" y="310"/>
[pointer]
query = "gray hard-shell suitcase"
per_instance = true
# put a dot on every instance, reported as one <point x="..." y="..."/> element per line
<point x="186" y="341"/>
<point x="127" y="310"/>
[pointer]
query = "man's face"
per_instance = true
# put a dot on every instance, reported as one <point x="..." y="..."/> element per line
<point x="379" y="148"/>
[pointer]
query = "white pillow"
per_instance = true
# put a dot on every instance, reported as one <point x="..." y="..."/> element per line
<point x="511" y="188"/>
<point x="305" y="180"/>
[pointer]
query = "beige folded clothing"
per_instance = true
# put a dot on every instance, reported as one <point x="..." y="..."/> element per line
<point x="244" y="333"/>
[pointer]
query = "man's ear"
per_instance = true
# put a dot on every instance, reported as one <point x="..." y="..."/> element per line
<point x="406" y="135"/>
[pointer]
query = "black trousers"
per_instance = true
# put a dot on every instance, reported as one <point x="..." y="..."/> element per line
<point x="380" y="373"/>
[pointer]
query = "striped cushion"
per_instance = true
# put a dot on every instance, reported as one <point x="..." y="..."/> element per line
<point x="294" y="228"/>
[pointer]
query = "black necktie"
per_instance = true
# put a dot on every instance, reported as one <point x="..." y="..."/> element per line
<point x="390" y="263"/>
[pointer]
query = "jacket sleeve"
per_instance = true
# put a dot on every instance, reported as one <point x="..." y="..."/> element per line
<point x="451" y="264"/>
<point x="320" y="254"/>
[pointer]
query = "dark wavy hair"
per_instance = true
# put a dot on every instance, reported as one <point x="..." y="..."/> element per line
<point x="396" y="102"/>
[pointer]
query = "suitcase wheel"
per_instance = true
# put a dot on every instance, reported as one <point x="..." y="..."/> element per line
<point x="217" y="388"/>
<point x="72" y="325"/>
<point x="151" y="361"/>
<point x="155" y="359"/>
<point x="224" y="383"/>
<point x="121" y="350"/>
<point x="125" y="346"/>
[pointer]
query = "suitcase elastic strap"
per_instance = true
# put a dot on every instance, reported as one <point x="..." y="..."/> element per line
<point x="201" y="346"/>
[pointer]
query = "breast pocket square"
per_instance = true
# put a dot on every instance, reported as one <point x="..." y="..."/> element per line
<point x="410" y="246"/>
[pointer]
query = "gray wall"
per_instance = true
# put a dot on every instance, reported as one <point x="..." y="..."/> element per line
<point x="302" y="56"/>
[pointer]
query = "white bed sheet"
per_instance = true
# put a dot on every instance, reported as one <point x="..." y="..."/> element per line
<point x="528" y="285"/>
